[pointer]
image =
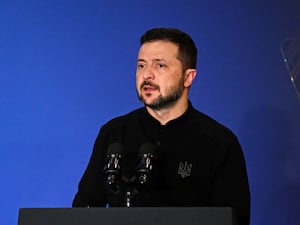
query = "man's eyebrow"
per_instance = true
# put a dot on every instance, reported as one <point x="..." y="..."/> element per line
<point x="153" y="60"/>
<point x="159" y="60"/>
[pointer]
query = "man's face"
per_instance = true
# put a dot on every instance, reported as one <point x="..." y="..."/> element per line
<point x="159" y="76"/>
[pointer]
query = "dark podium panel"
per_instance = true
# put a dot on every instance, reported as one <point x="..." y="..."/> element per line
<point x="128" y="216"/>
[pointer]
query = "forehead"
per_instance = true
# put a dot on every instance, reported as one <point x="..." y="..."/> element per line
<point x="158" y="49"/>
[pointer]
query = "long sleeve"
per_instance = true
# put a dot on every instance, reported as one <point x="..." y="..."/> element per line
<point x="230" y="185"/>
<point x="91" y="189"/>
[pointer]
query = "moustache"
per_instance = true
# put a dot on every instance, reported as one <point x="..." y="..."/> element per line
<point x="149" y="83"/>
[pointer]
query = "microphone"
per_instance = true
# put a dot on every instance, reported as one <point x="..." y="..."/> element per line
<point x="147" y="156"/>
<point x="112" y="168"/>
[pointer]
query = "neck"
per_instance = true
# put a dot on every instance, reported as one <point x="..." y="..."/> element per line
<point x="170" y="113"/>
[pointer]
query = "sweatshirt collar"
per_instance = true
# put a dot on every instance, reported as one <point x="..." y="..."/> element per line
<point x="173" y="121"/>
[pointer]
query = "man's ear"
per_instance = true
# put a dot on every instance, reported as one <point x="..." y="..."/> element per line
<point x="190" y="75"/>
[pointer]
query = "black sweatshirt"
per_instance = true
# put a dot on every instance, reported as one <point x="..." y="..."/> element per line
<point x="199" y="163"/>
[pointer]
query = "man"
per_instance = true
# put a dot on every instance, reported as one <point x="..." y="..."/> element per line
<point x="197" y="161"/>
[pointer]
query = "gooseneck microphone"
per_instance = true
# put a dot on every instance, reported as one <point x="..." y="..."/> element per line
<point x="112" y="168"/>
<point x="118" y="183"/>
<point x="147" y="155"/>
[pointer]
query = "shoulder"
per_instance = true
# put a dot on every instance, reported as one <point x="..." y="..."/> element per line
<point x="114" y="129"/>
<point x="125" y="119"/>
<point x="211" y="128"/>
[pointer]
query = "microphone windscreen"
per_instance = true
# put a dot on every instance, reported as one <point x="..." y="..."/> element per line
<point x="148" y="148"/>
<point x="114" y="148"/>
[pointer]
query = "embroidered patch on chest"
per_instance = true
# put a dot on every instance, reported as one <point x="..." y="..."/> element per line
<point x="185" y="169"/>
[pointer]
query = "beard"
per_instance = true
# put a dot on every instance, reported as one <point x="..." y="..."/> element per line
<point x="173" y="93"/>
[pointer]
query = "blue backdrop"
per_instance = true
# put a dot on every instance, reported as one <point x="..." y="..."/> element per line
<point x="68" y="66"/>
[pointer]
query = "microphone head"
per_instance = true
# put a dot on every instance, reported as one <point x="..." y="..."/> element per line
<point x="147" y="157"/>
<point x="114" y="148"/>
<point x="148" y="148"/>
<point x="112" y="167"/>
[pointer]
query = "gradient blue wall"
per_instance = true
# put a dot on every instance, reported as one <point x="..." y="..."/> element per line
<point x="66" y="67"/>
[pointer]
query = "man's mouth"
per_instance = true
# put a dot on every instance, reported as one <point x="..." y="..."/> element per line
<point x="147" y="86"/>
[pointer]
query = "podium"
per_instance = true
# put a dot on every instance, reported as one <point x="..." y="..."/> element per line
<point x="128" y="216"/>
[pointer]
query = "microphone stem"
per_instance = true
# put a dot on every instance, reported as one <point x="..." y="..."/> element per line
<point x="128" y="199"/>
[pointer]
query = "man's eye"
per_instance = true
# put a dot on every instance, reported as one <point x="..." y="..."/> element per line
<point x="161" y="65"/>
<point x="140" y="66"/>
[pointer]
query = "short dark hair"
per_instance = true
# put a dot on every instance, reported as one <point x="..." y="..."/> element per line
<point x="187" y="50"/>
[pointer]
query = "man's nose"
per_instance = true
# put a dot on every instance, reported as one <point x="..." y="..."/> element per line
<point x="148" y="74"/>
